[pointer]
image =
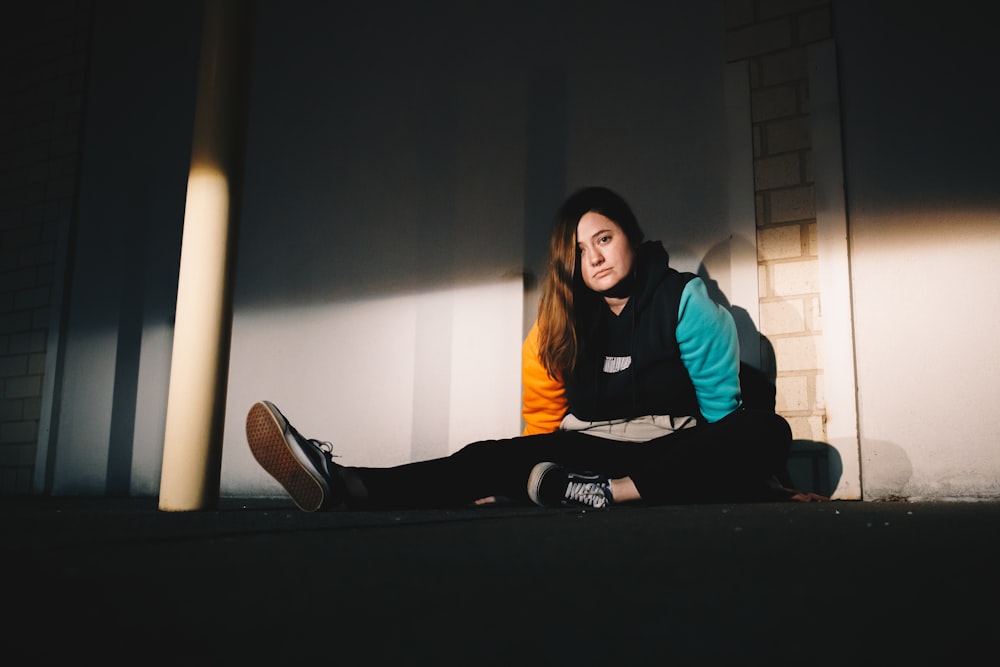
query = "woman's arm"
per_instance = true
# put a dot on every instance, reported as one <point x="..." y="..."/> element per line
<point x="706" y="335"/>
<point x="543" y="398"/>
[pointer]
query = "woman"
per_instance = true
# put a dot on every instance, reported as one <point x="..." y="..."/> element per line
<point x="631" y="392"/>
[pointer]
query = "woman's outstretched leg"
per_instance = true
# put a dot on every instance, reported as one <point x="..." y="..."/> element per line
<point x="305" y="467"/>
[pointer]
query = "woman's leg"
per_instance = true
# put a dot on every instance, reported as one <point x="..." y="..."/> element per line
<point x="733" y="459"/>
<point x="477" y="470"/>
<point x="481" y="469"/>
<point x="730" y="460"/>
<point x="305" y="467"/>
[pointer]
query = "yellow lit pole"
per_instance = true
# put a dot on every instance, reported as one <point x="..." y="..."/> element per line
<point x="196" y="399"/>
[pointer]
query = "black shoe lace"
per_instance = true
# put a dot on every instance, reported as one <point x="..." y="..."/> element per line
<point x="324" y="446"/>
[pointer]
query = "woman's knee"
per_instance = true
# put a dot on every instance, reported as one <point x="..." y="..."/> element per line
<point x="476" y="449"/>
<point x="778" y="427"/>
<point x="764" y="423"/>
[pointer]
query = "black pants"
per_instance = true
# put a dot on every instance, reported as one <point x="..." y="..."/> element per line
<point x="726" y="461"/>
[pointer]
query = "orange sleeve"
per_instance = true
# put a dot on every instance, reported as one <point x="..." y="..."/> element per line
<point x="543" y="398"/>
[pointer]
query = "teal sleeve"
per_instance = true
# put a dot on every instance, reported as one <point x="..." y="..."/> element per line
<point x="710" y="350"/>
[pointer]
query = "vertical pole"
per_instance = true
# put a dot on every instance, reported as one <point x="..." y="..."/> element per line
<point x="196" y="399"/>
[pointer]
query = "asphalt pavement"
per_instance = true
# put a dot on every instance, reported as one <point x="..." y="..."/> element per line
<point x="116" y="581"/>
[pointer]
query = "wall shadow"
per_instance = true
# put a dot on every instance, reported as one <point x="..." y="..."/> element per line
<point x="814" y="466"/>
<point x="889" y="473"/>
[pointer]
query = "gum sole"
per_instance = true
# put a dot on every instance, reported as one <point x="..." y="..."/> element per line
<point x="267" y="443"/>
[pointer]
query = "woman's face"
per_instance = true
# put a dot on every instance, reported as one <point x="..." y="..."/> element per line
<point x="605" y="252"/>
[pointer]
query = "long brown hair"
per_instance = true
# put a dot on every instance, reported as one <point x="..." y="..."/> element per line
<point x="567" y="308"/>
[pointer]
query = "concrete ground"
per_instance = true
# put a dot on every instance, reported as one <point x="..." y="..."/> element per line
<point x="116" y="581"/>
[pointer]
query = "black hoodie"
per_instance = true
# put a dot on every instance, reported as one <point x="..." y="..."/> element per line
<point x="631" y="366"/>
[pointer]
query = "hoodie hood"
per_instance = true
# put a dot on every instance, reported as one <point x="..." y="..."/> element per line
<point x="652" y="266"/>
<point x="632" y="366"/>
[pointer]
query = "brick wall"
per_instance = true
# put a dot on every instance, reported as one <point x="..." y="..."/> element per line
<point x="773" y="35"/>
<point x="43" y="49"/>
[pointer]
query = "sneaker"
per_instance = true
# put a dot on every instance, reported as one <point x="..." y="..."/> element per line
<point x="551" y="485"/>
<point x="302" y="465"/>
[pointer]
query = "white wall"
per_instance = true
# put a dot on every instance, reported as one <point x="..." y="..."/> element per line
<point x="924" y="219"/>
<point x="404" y="162"/>
<point x="403" y="169"/>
